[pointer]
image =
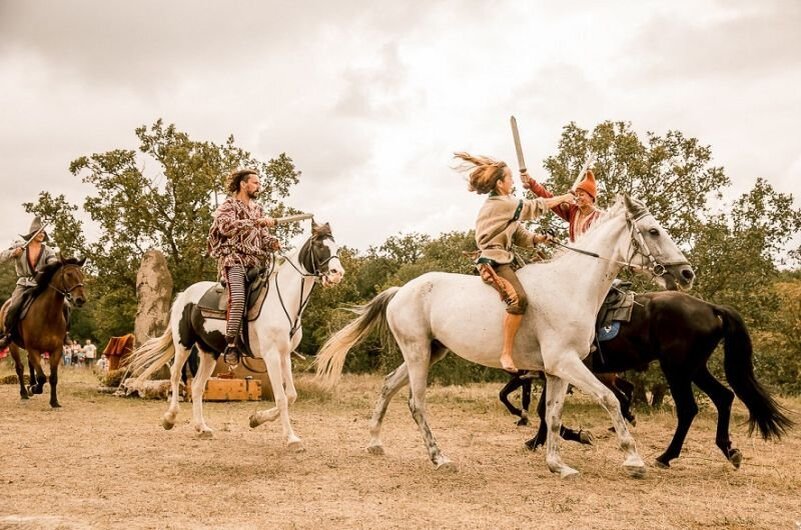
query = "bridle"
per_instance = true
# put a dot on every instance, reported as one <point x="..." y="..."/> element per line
<point x="638" y="245"/>
<point x="66" y="293"/>
<point x="317" y="272"/>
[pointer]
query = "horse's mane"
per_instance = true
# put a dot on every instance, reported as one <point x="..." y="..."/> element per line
<point x="45" y="275"/>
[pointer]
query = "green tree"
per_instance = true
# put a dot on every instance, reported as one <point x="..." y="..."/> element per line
<point x="59" y="214"/>
<point x="672" y="174"/>
<point x="168" y="208"/>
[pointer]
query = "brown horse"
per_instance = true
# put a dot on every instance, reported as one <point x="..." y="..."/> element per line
<point x="44" y="326"/>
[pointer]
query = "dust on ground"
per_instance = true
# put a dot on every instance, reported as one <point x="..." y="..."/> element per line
<point x="106" y="462"/>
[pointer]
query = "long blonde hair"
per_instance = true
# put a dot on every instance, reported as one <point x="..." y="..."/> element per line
<point x="484" y="172"/>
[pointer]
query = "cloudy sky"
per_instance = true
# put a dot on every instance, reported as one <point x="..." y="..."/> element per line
<point x="370" y="99"/>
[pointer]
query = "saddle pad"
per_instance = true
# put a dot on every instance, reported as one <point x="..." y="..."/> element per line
<point x="609" y="331"/>
<point x="214" y="302"/>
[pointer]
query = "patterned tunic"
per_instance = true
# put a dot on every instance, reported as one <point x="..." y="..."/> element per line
<point x="235" y="238"/>
<point x="569" y="212"/>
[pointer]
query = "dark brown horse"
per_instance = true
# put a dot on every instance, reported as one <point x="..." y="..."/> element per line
<point x="44" y="326"/>
<point x="681" y="332"/>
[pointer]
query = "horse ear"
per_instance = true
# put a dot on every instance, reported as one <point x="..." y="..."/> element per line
<point x="315" y="227"/>
<point x="635" y="207"/>
<point x="81" y="261"/>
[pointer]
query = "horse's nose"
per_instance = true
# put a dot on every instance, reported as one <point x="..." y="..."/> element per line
<point x="79" y="301"/>
<point x="687" y="274"/>
<point x="336" y="276"/>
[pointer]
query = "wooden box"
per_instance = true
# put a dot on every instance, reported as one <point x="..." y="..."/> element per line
<point x="218" y="389"/>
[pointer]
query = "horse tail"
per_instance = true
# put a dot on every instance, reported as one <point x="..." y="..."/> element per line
<point x="331" y="357"/>
<point x="151" y="356"/>
<point x="765" y="414"/>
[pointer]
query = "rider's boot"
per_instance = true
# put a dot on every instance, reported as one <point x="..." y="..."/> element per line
<point x="231" y="354"/>
<point x="5" y="340"/>
<point x="511" y="323"/>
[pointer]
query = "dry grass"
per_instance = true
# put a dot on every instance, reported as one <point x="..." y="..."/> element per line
<point x="105" y="462"/>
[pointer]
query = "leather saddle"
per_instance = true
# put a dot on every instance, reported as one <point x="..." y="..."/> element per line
<point x="214" y="302"/>
<point x="617" y="308"/>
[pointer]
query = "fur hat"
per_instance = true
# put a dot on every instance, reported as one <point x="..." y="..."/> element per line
<point x="588" y="184"/>
<point x="36" y="225"/>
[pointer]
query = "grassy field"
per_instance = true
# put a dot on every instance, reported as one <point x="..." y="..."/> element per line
<point x="105" y="462"/>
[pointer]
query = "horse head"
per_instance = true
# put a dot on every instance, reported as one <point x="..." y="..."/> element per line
<point x="320" y="255"/>
<point x="654" y="250"/>
<point x="65" y="277"/>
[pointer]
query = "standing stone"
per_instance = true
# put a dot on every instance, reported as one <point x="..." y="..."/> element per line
<point x="153" y="294"/>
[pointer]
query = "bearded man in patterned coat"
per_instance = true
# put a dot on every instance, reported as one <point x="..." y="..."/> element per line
<point x="240" y="239"/>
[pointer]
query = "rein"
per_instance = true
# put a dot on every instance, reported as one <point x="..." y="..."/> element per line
<point x="66" y="293"/>
<point x="316" y="273"/>
<point x="639" y="247"/>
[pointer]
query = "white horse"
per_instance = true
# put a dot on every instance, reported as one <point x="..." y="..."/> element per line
<point x="437" y="312"/>
<point x="274" y="333"/>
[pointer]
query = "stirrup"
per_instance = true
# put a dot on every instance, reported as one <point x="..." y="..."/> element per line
<point x="231" y="356"/>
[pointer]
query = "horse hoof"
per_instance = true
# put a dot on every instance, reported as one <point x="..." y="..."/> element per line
<point x="522" y="422"/>
<point x="55" y="405"/>
<point x="736" y="458"/>
<point x="633" y="422"/>
<point x="634" y="466"/>
<point x="205" y="435"/>
<point x="586" y="438"/>
<point x="661" y="464"/>
<point x="24" y="396"/>
<point x="568" y="473"/>
<point x="296" y="446"/>
<point x="167" y="424"/>
<point x="254" y="422"/>
<point x="447" y="467"/>
<point x="377" y="450"/>
<point x="531" y="445"/>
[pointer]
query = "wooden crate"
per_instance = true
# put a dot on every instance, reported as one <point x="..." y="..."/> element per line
<point x="218" y="389"/>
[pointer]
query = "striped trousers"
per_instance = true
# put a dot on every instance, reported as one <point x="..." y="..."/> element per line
<point x="235" y="278"/>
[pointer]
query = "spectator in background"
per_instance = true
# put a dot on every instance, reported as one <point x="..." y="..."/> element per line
<point x="102" y="365"/>
<point x="89" y="353"/>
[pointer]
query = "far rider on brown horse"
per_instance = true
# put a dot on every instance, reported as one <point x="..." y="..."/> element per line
<point x="239" y="238"/>
<point x="29" y="254"/>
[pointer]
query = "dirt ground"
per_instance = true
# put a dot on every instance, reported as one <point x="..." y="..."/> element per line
<point x="105" y="462"/>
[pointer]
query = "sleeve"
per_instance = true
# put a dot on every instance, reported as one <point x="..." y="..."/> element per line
<point x="5" y="255"/>
<point x="227" y="224"/>
<point x="523" y="237"/>
<point x="540" y="191"/>
<point x="533" y="209"/>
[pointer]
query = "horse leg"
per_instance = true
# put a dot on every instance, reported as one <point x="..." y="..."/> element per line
<point x="722" y="397"/>
<point x="554" y="401"/>
<point x="686" y="409"/>
<point x="207" y="364"/>
<point x="272" y="359"/>
<point x="525" y="399"/>
<point x="20" y="369"/>
<point x="625" y="392"/>
<point x="514" y="383"/>
<point x="55" y="361"/>
<point x="38" y="377"/>
<point x="571" y="435"/>
<point x="417" y="355"/>
<point x="576" y="373"/>
<point x="176" y="371"/>
<point x="289" y="381"/>
<point x="393" y="382"/>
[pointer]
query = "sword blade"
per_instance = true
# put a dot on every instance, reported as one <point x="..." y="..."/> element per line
<point x="518" y="147"/>
<point x="293" y="218"/>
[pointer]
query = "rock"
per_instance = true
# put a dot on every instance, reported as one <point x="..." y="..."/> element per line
<point x="154" y="294"/>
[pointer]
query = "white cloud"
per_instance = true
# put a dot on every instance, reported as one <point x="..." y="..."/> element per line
<point x="372" y="99"/>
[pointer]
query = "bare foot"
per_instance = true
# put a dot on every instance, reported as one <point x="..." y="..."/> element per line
<point x="508" y="364"/>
